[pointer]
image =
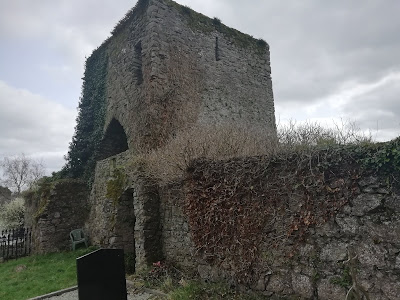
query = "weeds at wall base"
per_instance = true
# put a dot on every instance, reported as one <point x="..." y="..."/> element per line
<point x="180" y="285"/>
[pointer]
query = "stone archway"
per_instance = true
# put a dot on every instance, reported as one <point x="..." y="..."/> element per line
<point x="114" y="141"/>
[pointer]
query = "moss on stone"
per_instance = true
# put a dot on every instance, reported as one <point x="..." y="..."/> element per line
<point x="44" y="202"/>
<point x="198" y="21"/>
<point x="42" y="196"/>
<point x="115" y="186"/>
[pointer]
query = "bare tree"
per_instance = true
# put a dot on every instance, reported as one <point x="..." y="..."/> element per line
<point x="21" y="172"/>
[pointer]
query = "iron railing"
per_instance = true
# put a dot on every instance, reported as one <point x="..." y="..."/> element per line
<point x="15" y="243"/>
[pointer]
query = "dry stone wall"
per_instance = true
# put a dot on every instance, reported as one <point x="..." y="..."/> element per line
<point x="366" y="230"/>
<point x="360" y="246"/>
<point x="54" y="213"/>
<point x="176" y="240"/>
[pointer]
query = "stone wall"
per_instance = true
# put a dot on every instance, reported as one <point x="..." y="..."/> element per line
<point x="367" y="230"/>
<point x="235" y="80"/>
<point x="54" y="213"/>
<point x="176" y="241"/>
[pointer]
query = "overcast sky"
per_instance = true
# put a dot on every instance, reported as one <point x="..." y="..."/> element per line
<point x="330" y="60"/>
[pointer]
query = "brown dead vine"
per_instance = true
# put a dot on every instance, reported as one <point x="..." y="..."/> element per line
<point x="236" y="206"/>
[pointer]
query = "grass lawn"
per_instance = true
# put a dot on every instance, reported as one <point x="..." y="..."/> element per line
<point x="41" y="274"/>
<point x="38" y="274"/>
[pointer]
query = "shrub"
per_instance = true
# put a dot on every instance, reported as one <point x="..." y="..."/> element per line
<point x="216" y="22"/>
<point x="262" y="43"/>
<point x="310" y="134"/>
<point x="227" y="140"/>
<point x="12" y="213"/>
<point x="219" y="142"/>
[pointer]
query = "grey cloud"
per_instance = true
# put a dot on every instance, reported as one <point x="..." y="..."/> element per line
<point x="378" y="110"/>
<point x="31" y="124"/>
<point x="317" y="45"/>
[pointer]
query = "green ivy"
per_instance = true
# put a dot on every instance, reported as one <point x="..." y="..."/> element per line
<point x="384" y="158"/>
<point x="81" y="157"/>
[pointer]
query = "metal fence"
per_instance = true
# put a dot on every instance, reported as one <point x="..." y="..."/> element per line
<point x="15" y="243"/>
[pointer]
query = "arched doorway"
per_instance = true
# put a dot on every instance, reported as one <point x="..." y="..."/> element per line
<point x="114" y="141"/>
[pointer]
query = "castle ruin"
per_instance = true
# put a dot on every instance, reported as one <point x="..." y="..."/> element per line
<point x="319" y="225"/>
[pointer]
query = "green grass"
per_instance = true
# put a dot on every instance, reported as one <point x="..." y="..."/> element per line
<point x="43" y="274"/>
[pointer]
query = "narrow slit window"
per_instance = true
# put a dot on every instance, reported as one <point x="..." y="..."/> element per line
<point x="217" y="58"/>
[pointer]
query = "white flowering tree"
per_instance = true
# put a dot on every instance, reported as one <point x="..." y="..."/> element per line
<point x="12" y="213"/>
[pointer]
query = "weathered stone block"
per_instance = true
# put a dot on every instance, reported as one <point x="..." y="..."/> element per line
<point x="372" y="255"/>
<point x="275" y="284"/>
<point x="348" y="225"/>
<point x="302" y="285"/>
<point x="365" y="203"/>
<point x="391" y="289"/>
<point x="334" y="252"/>
<point x="393" y="202"/>
<point x="328" y="291"/>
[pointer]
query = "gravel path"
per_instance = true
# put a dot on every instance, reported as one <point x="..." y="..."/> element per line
<point x="74" y="296"/>
<point x="134" y="293"/>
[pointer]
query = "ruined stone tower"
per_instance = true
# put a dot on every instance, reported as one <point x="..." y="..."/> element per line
<point x="168" y="67"/>
<point x="164" y="68"/>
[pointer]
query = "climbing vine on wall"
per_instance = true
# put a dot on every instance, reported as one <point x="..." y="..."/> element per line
<point x="81" y="157"/>
<point x="382" y="157"/>
<point x="236" y="208"/>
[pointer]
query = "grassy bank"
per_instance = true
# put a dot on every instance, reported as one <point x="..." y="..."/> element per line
<point x="37" y="275"/>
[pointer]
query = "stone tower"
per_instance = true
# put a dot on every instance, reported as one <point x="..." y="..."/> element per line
<point x="168" y="67"/>
<point x="165" y="67"/>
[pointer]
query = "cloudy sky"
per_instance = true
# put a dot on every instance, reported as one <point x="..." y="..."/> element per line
<point x="331" y="60"/>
